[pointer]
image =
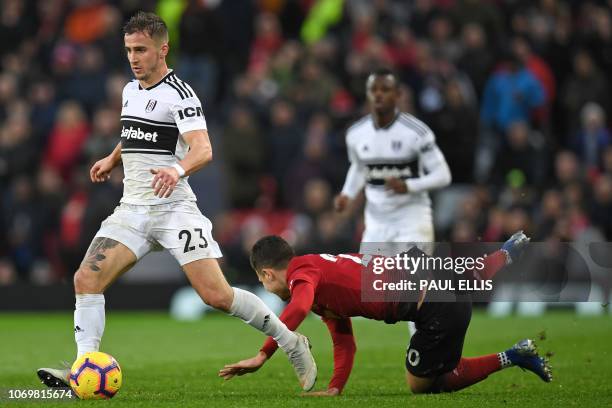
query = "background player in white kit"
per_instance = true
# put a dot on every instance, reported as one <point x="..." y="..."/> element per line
<point x="164" y="139"/>
<point x="395" y="157"/>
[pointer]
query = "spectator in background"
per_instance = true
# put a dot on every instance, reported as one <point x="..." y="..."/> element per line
<point x="443" y="41"/>
<point x="114" y="91"/>
<point x="201" y="47"/>
<point x="104" y="134"/>
<point x="21" y="220"/>
<point x="511" y="95"/>
<point x="521" y="162"/>
<point x="587" y="84"/>
<point x="268" y="39"/>
<point x="284" y="65"/>
<point x="17" y="157"/>
<point x="314" y="162"/>
<point x="599" y="39"/>
<point x="550" y="210"/>
<point x="456" y="128"/>
<point x="88" y="21"/>
<point x="463" y="231"/>
<point x="8" y="92"/>
<point x="476" y="59"/>
<point x="66" y="139"/>
<point x="593" y="138"/>
<point x="567" y="169"/>
<point x="285" y="140"/>
<point x="541" y="71"/>
<point x="50" y="198"/>
<point x="432" y="96"/>
<point x="329" y="235"/>
<point x="482" y="13"/>
<point x="86" y="84"/>
<point x="16" y="25"/>
<point x="401" y="48"/>
<point x="313" y="88"/>
<point x="43" y="109"/>
<point x="244" y="156"/>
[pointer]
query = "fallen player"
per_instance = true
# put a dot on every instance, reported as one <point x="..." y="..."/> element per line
<point x="331" y="287"/>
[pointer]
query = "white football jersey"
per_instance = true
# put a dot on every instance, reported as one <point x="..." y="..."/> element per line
<point x="153" y="120"/>
<point x="405" y="149"/>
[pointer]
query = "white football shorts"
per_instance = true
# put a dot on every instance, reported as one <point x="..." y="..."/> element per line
<point x="393" y="236"/>
<point x="178" y="227"/>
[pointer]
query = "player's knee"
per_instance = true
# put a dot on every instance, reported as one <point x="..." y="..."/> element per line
<point x="87" y="281"/>
<point x="419" y="385"/>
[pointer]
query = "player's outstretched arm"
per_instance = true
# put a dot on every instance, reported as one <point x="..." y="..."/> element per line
<point x="101" y="169"/>
<point x="341" y="331"/>
<point x="250" y="365"/>
<point x="199" y="155"/>
<point x="354" y="182"/>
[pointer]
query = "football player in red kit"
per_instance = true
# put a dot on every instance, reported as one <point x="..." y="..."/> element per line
<point x="331" y="286"/>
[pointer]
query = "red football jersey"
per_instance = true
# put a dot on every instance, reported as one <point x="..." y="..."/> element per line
<point x="337" y="283"/>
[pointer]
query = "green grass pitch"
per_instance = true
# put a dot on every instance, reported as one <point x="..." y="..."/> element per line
<point x="174" y="364"/>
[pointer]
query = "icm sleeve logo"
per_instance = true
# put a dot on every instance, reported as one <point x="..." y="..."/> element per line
<point x="190" y="112"/>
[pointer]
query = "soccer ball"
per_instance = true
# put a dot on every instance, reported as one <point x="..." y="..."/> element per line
<point x="95" y="375"/>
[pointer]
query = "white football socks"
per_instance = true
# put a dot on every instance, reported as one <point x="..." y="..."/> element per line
<point x="254" y="312"/>
<point x="88" y="322"/>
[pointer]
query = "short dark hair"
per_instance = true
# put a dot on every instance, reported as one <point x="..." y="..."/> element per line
<point x="271" y="252"/>
<point x="383" y="72"/>
<point x="149" y="23"/>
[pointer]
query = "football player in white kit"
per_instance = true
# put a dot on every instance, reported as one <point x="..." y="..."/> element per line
<point x="395" y="157"/>
<point x="163" y="140"/>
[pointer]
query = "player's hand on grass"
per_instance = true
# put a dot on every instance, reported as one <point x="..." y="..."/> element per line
<point x="341" y="202"/>
<point x="101" y="170"/>
<point x="330" y="392"/>
<point x="243" y="367"/>
<point x="396" y="185"/>
<point x="164" y="181"/>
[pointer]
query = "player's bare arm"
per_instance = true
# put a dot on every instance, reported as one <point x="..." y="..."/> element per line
<point x="199" y="155"/>
<point x="250" y="365"/>
<point x="341" y="202"/>
<point x="101" y="169"/>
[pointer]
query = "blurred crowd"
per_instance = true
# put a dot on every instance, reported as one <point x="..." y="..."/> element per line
<point x="516" y="91"/>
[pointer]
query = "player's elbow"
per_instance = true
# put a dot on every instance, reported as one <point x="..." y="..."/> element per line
<point x="302" y="312"/>
<point x="351" y="346"/>
<point x="447" y="177"/>
<point x="205" y="156"/>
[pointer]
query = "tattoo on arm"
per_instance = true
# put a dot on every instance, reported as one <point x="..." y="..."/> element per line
<point x="95" y="253"/>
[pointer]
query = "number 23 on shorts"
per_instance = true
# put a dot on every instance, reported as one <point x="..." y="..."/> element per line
<point x="193" y="238"/>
